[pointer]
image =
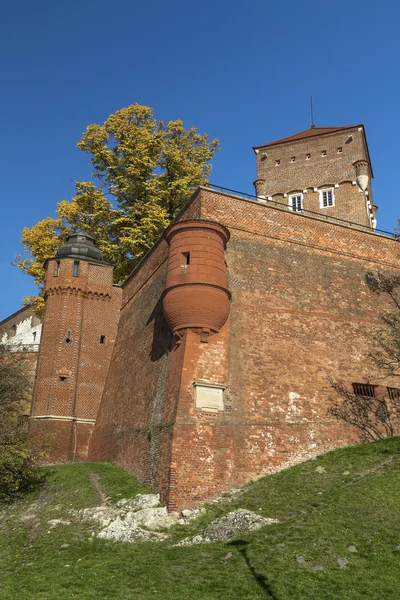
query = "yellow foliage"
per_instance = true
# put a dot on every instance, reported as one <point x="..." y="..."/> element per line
<point x="145" y="171"/>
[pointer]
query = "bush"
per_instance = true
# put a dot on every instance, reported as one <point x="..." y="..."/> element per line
<point x="19" y="472"/>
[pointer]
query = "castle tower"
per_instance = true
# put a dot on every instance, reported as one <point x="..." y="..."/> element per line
<point x="196" y="295"/>
<point x="323" y="170"/>
<point x="79" y="327"/>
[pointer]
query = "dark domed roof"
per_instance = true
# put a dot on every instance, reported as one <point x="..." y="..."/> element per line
<point x="80" y="245"/>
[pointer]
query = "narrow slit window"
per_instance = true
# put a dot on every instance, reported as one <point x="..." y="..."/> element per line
<point x="308" y="156"/>
<point x="102" y="339"/>
<point x="185" y="259"/>
<point x="57" y="269"/>
<point x="277" y="162"/>
<point x="323" y="153"/>
<point x="75" y="269"/>
<point x="293" y="159"/>
<point x="63" y="378"/>
<point x="340" y="150"/>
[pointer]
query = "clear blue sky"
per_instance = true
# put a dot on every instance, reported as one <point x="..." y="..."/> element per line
<point x="242" y="71"/>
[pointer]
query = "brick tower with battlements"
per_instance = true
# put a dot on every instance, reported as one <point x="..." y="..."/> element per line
<point x="79" y="328"/>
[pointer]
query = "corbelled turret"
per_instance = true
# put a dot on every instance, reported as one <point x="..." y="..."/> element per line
<point x="196" y="295"/>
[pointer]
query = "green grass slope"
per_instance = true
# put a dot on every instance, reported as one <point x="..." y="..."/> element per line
<point x="354" y="501"/>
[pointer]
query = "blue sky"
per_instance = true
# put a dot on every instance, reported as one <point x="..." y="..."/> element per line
<point x="241" y="71"/>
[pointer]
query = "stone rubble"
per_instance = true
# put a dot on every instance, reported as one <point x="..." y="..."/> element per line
<point x="137" y="519"/>
<point x="229" y="526"/>
<point x="142" y="519"/>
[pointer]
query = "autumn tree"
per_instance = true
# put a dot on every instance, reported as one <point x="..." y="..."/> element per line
<point x="144" y="171"/>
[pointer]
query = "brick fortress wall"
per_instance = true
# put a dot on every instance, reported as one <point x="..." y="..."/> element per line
<point x="136" y="419"/>
<point x="299" y="312"/>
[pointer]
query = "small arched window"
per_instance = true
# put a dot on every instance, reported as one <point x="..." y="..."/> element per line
<point x="75" y="268"/>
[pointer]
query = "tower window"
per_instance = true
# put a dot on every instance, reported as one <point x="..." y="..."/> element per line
<point x="68" y="337"/>
<point x="293" y="159"/>
<point x="308" y="156"/>
<point x="75" y="268"/>
<point x="296" y="203"/>
<point x="57" y="269"/>
<point x="185" y="259"/>
<point x="277" y="162"/>
<point x="340" y="150"/>
<point x="63" y="378"/>
<point x="323" y="153"/>
<point x="102" y="339"/>
<point x="326" y="198"/>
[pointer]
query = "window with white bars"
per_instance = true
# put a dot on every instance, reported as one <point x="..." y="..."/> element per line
<point x="296" y="202"/>
<point x="364" y="389"/>
<point x="327" y="198"/>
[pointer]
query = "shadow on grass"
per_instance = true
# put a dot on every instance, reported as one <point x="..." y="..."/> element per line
<point x="261" y="580"/>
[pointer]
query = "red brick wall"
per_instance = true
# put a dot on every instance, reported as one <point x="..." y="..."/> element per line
<point x="135" y="423"/>
<point x="299" y="313"/>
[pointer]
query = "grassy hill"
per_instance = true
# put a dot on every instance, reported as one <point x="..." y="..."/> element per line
<point x="348" y="510"/>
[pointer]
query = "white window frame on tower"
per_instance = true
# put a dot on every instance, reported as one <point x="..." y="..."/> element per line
<point x="296" y="202"/>
<point x="329" y="201"/>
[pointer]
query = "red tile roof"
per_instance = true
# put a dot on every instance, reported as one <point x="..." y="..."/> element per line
<point x="312" y="132"/>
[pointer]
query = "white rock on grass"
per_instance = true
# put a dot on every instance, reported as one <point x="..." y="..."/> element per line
<point x="234" y="523"/>
<point x="101" y="514"/>
<point x="56" y="522"/>
<point x="122" y="531"/>
<point x="190" y="515"/>
<point x="228" y="527"/>
<point x="140" y="501"/>
<point x="152" y="518"/>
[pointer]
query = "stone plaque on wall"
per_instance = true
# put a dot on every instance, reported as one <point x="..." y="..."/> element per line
<point x="209" y="397"/>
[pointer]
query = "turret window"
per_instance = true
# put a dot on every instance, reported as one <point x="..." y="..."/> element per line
<point x="327" y="198"/>
<point x="75" y="269"/>
<point x="57" y="269"/>
<point x="296" y="202"/>
<point x="185" y="259"/>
